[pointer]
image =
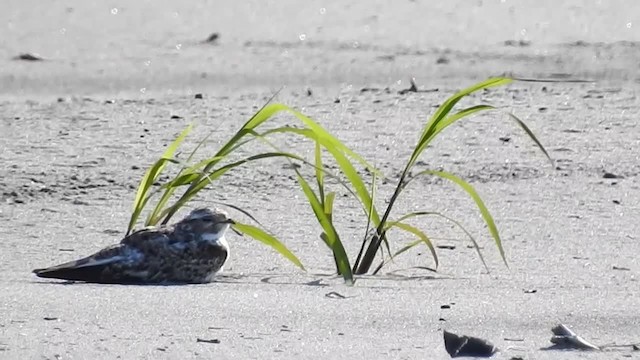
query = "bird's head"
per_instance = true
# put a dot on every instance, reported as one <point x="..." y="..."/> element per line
<point x="208" y="224"/>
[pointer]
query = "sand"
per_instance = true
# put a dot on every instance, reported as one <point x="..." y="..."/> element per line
<point x="117" y="83"/>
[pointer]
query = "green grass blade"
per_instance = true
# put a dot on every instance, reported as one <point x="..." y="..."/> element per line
<point x="201" y="182"/>
<point x="443" y="111"/>
<point x="419" y="234"/>
<point x="455" y="222"/>
<point x="152" y="175"/>
<point x="345" y="166"/>
<point x="269" y="240"/>
<point x="330" y="234"/>
<point x="328" y="205"/>
<point x="531" y="135"/>
<point x="486" y="215"/>
<point x="319" y="171"/>
<point x="474" y="109"/>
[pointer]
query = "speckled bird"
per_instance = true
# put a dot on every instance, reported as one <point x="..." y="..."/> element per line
<point x="191" y="251"/>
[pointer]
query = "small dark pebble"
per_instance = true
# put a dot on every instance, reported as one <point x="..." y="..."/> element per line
<point x="442" y="60"/>
<point x="520" y="43"/>
<point x="442" y="319"/>
<point x="213" y="38"/>
<point x="161" y="349"/>
<point x="542" y="109"/>
<point x="621" y="268"/>
<point x="334" y="295"/>
<point x="608" y="175"/>
<point x="309" y="92"/>
<point x="198" y="96"/>
<point x="208" y="341"/>
<point x="635" y="348"/>
<point x="446" y="306"/>
<point x="134" y="167"/>
<point x="291" y="166"/>
<point x="336" y="101"/>
<point x="446" y="247"/>
<point x="505" y="139"/>
<point x="531" y="291"/>
<point x="28" y="57"/>
<point x="109" y="101"/>
<point x="50" y="318"/>
<point x="617" y="202"/>
<point x="174" y="117"/>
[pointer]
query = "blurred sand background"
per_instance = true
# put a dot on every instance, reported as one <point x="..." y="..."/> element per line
<point x="118" y="82"/>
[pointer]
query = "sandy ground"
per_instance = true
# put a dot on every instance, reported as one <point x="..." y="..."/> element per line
<point x="78" y="129"/>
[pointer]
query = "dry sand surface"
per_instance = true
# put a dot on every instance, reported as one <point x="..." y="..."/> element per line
<point x="78" y="129"/>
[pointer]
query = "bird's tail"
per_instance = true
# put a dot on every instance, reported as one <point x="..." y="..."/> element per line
<point x="97" y="268"/>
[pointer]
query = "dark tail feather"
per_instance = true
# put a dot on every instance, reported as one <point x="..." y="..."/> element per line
<point x="94" y="274"/>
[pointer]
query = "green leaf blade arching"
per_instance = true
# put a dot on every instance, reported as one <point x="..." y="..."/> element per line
<point x="269" y="240"/>
<point x="150" y="177"/>
<point x="484" y="212"/>
<point x="330" y="235"/>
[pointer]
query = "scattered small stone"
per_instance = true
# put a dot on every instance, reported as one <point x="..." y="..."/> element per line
<point x="514" y="339"/>
<point x="309" y="92"/>
<point x="176" y="117"/>
<point x="445" y="306"/>
<point x="135" y="167"/>
<point x="285" y="328"/>
<point x="621" y="268"/>
<point x="334" y="295"/>
<point x="50" y="318"/>
<point x="635" y="347"/>
<point x="291" y="166"/>
<point x="442" y="60"/>
<point x="368" y="89"/>
<point x="531" y="291"/>
<point x="505" y="139"/>
<point x="608" y="175"/>
<point x="198" y="96"/>
<point x="542" y="109"/>
<point x="208" y="341"/>
<point x="336" y="101"/>
<point x="161" y="349"/>
<point x="28" y="57"/>
<point x="617" y="202"/>
<point x="109" y="101"/>
<point x="446" y="247"/>
<point x="519" y="43"/>
<point x="212" y="39"/>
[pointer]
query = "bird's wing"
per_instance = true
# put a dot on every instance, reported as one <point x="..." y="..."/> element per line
<point x="150" y="237"/>
<point x="109" y="265"/>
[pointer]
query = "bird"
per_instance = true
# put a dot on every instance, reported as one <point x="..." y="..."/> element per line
<point x="192" y="251"/>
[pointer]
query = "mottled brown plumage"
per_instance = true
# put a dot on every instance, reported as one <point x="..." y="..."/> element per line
<point x="191" y="251"/>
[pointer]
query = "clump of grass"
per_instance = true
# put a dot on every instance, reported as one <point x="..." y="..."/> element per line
<point x="196" y="177"/>
<point x="322" y="202"/>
